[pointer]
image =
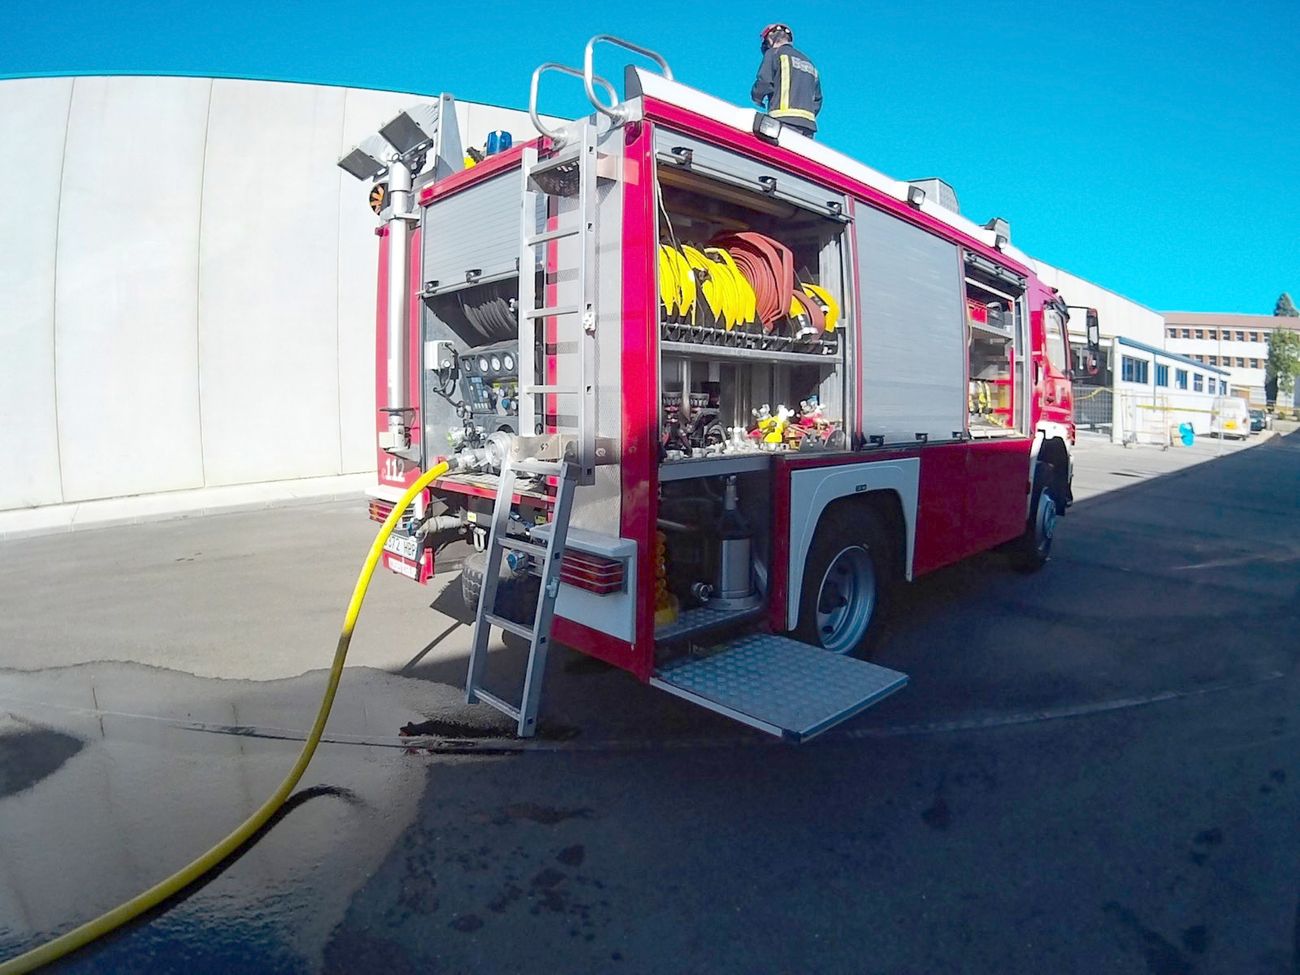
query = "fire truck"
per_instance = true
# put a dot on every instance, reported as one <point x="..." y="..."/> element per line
<point x="707" y="391"/>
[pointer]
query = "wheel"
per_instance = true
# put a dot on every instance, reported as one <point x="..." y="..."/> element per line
<point x="516" y="594"/>
<point x="1034" y="547"/>
<point x="846" y="583"/>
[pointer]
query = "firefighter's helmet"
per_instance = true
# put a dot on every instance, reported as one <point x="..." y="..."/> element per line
<point x="769" y="30"/>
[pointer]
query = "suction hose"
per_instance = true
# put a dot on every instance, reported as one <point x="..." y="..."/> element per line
<point x="78" y="937"/>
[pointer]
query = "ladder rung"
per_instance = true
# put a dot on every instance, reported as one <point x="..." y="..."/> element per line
<point x="510" y="626"/>
<point x="543" y="468"/>
<point x="528" y="548"/>
<point x="504" y="706"/>
<point x="529" y="390"/>
<point x="552" y="311"/>
<point x="556" y="234"/>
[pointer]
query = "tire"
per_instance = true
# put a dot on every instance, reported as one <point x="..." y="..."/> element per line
<point x="1034" y="548"/>
<point x="516" y="594"/>
<point x="850" y="562"/>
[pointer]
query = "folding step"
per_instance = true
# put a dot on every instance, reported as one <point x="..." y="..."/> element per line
<point x="779" y="685"/>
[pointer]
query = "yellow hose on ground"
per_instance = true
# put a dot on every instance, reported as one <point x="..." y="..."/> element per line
<point x="78" y="937"/>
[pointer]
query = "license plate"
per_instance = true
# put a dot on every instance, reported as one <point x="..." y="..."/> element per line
<point x="403" y="545"/>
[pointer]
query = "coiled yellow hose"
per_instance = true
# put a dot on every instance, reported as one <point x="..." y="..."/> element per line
<point x="79" y="937"/>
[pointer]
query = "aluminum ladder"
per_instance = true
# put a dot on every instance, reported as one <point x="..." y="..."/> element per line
<point x="563" y="375"/>
<point x="564" y="237"/>
<point x="543" y="559"/>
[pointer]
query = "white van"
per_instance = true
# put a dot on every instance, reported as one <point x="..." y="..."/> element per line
<point x="1230" y="417"/>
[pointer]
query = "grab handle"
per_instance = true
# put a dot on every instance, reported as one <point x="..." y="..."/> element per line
<point x="557" y="135"/>
<point x="612" y="109"/>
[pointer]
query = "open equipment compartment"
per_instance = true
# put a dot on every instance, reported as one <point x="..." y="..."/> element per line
<point x="995" y="326"/>
<point x="741" y="374"/>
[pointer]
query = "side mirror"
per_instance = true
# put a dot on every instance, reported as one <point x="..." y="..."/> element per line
<point x="1094" y="342"/>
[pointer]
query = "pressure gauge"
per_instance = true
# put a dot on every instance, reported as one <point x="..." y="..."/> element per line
<point x="509" y="362"/>
<point x="482" y="363"/>
<point x="496" y="364"/>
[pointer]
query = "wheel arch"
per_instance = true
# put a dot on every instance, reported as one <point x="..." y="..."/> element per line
<point x="887" y="488"/>
<point x="1051" y="448"/>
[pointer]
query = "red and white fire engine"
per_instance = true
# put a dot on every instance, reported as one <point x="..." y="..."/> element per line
<point x="708" y="390"/>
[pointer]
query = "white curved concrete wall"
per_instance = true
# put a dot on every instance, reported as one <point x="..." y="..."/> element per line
<point x="187" y="284"/>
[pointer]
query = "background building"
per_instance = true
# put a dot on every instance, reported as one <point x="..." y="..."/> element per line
<point x="1238" y="343"/>
<point x="187" y="289"/>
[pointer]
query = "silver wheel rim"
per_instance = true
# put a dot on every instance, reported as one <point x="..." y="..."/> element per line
<point x="1046" y="524"/>
<point x="846" y="600"/>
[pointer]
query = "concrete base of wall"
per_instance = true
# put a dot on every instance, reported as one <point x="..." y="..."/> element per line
<point x="53" y="518"/>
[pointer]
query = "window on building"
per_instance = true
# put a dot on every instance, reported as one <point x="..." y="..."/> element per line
<point x="1254" y="364"/>
<point x="1214" y="360"/>
<point x="1223" y="388"/>
<point x="1180" y="378"/>
<point x="1187" y="333"/>
<point x="1241" y="336"/>
<point x="1214" y="335"/>
<point x="1241" y="362"/>
<point x="1200" y="333"/>
<point x="1162" y="375"/>
<point x="1198" y="383"/>
<point x="1134" y="370"/>
<point x="1171" y="333"/>
<point x="1254" y="336"/>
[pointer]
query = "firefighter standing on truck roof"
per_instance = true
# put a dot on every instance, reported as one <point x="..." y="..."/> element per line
<point x="787" y="80"/>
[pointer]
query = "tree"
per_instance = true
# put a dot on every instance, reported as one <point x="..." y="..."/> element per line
<point x="1283" y="363"/>
<point x="1281" y="366"/>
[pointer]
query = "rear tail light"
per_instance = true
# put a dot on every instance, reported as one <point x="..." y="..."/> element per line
<point x="380" y="510"/>
<point x="594" y="573"/>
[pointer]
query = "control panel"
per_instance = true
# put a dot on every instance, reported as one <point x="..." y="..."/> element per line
<point x="489" y="379"/>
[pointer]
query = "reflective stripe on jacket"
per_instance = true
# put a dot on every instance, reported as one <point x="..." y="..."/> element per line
<point x="787" y="81"/>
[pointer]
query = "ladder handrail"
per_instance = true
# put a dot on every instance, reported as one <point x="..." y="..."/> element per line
<point x="613" y="109"/>
<point x="557" y="135"/>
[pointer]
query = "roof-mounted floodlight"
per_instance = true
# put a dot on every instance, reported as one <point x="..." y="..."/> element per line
<point x="915" y="196"/>
<point x="1001" y="232"/>
<point x="767" y="128"/>
<point x="361" y="164"/>
<point x="413" y="129"/>
<point x="366" y="161"/>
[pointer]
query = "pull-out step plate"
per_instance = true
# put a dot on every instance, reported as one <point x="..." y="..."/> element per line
<point x="779" y="685"/>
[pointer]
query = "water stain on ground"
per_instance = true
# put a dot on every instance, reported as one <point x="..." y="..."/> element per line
<point x="1205" y="840"/>
<point x="27" y="757"/>
<point x="467" y="923"/>
<point x="545" y="815"/>
<point x="572" y="856"/>
<point x="938" y="816"/>
<point x="1196" y="939"/>
<point x="1162" y="957"/>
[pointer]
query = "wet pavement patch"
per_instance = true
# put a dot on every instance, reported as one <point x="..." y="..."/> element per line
<point x="26" y="757"/>
<point x="572" y="856"/>
<point x="467" y="923"/>
<point x="545" y="815"/>
<point x="1162" y="957"/>
<point x="938" y="816"/>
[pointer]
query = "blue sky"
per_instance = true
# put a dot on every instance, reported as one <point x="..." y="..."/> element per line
<point x="1151" y="147"/>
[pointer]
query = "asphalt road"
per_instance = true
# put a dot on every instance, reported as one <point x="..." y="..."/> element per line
<point x="1093" y="769"/>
